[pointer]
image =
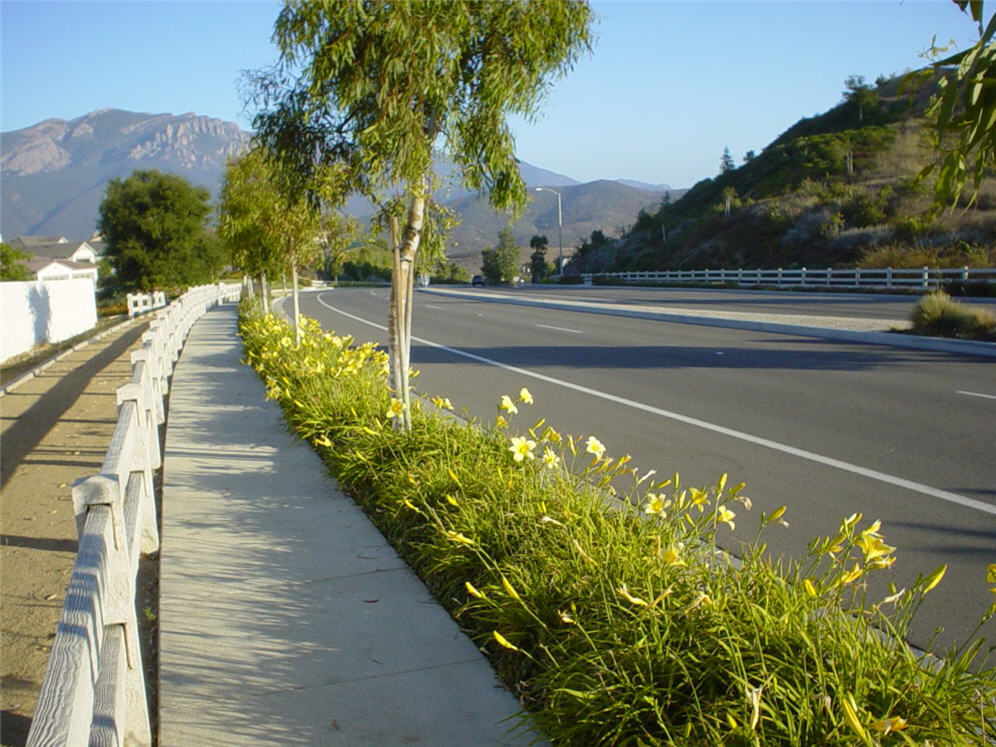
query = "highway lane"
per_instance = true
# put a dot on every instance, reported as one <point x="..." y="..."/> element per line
<point x="860" y="305"/>
<point x="664" y="393"/>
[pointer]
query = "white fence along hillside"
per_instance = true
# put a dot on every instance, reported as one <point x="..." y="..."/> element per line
<point x="94" y="688"/>
<point x="923" y="278"/>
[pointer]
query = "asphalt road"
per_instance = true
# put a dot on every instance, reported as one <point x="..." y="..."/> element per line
<point x="825" y="428"/>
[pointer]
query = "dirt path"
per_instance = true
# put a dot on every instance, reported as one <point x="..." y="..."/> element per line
<point x="54" y="428"/>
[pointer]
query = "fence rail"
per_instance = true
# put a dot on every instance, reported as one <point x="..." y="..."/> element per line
<point x="139" y="303"/>
<point x="94" y="686"/>
<point x="924" y="278"/>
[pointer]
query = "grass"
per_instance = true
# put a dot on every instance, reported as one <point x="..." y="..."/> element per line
<point x="598" y="592"/>
<point x="937" y="314"/>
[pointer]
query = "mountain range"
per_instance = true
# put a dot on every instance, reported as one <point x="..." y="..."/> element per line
<point x="55" y="174"/>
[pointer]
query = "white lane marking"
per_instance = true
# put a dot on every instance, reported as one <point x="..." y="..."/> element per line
<point x="871" y="474"/>
<point x="433" y="306"/>
<point x="561" y="329"/>
<point x="976" y="394"/>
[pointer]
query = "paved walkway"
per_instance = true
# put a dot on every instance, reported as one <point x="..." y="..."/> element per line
<point x="285" y="618"/>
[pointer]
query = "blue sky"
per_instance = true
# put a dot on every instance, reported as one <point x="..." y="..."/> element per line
<point x="667" y="87"/>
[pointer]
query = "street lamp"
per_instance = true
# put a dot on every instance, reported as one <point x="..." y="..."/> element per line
<point x="560" y="228"/>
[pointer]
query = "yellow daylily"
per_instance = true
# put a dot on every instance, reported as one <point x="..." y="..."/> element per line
<point x="887" y="725"/>
<point x="596" y="447"/>
<point x="508" y="405"/>
<point x="525" y="396"/>
<point x="503" y="641"/>
<point x="473" y="591"/>
<point x="522" y="448"/>
<point x="396" y="409"/>
<point x="725" y="516"/>
<point x="656" y="504"/>
<point x="624" y="593"/>
<point x="550" y="459"/>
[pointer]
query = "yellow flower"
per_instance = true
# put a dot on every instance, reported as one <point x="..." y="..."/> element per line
<point x="457" y="537"/>
<point x="510" y="589"/>
<point x="700" y="498"/>
<point x="807" y="584"/>
<point x="508" y="405"/>
<point x="473" y="591"/>
<point x="443" y="403"/>
<point x="565" y="618"/>
<point x="500" y="422"/>
<point x="550" y="460"/>
<point x="396" y="409"/>
<point x="887" y="725"/>
<point x="624" y="593"/>
<point x="935" y="578"/>
<point x="551" y="435"/>
<point x="851" y="575"/>
<point x="726" y="516"/>
<point x="991" y="574"/>
<point x="525" y="396"/>
<point x="594" y="446"/>
<point x="505" y="642"/>
<point x="671" y="555"/>
<point x="322" y="441"/>
<point x="656" y="504"/>
<point x="522" y="448"/>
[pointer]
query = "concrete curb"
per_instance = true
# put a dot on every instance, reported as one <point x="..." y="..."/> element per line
<point x="752" y="322"/>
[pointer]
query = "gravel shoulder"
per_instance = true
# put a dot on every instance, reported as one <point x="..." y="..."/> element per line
<point x="54" y="428"/>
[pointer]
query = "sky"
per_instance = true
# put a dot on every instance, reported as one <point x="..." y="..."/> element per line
<point x="667" y="87"/>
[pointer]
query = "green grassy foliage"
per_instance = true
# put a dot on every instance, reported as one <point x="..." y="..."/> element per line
<point x="937" y="314"/>
<point x="599" y="593"/>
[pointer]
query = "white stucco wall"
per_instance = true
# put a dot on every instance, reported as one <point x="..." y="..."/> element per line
<point x="37" y="312"/>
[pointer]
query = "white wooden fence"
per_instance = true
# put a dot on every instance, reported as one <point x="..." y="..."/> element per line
<point x="94" y="689"/>
<point x="139" y="303"/>
<point x="919" y="278"/>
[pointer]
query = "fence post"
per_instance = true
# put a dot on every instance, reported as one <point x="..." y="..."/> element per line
<point x="926" y="278"/>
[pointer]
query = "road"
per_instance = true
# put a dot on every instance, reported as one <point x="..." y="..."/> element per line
<point x="826" y="428"/>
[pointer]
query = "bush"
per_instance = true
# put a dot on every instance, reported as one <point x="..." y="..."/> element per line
<point x="616" y="623"/>
<point x="936" y="314"/>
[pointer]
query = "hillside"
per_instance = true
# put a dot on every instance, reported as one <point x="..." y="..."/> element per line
<point x="55" y="173"/>
<point x="837" y="189"/>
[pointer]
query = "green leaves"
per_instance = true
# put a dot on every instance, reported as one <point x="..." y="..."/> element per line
<point x="155" y="227"/>
<point x="964" y="112"/>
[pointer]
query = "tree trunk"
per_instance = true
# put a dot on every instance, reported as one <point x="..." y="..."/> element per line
<point x="297" y="305"/>
<point x="265" y="292"/>
<point x="393" y="325"/>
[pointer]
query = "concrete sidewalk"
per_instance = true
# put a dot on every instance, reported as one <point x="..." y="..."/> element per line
<point x="285" y="618"/>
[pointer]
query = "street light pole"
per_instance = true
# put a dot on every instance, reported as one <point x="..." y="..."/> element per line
<point x="560" y="228"/>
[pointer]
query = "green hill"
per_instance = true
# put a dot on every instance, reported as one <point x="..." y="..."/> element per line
<point x="838" y="189"/>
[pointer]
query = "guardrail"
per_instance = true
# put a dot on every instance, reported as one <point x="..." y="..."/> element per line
<point x="924" y="278"/>
<point x="94" y="686"/>
<point x="139" y="303"/>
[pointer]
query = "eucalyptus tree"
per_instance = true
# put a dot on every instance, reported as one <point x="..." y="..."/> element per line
<point x="377" y="87"/>
<point x="266" y="223"/>
<point x="964" y="113"/>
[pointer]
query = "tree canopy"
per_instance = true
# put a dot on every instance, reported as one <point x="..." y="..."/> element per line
<point x="13" y="263"/>
<point x="500" y="264"/>
<point x="376" y="87"/>
<point x="155" y="225"/>
<point x="964" y="112"/>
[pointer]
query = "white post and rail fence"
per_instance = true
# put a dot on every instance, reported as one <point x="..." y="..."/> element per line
<point x="94" y="688"/>
<point x="922" y="278"/>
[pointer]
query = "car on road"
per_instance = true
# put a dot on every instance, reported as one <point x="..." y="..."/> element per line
<point x="477" y="280"/>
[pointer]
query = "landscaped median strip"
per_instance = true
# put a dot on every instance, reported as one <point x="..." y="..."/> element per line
<point x="624" y="626"/>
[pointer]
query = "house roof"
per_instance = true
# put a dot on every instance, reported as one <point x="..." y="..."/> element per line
<point x="57" y="250"/>
<point x="36" y="264"/>
<point x="30" y="242"/>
